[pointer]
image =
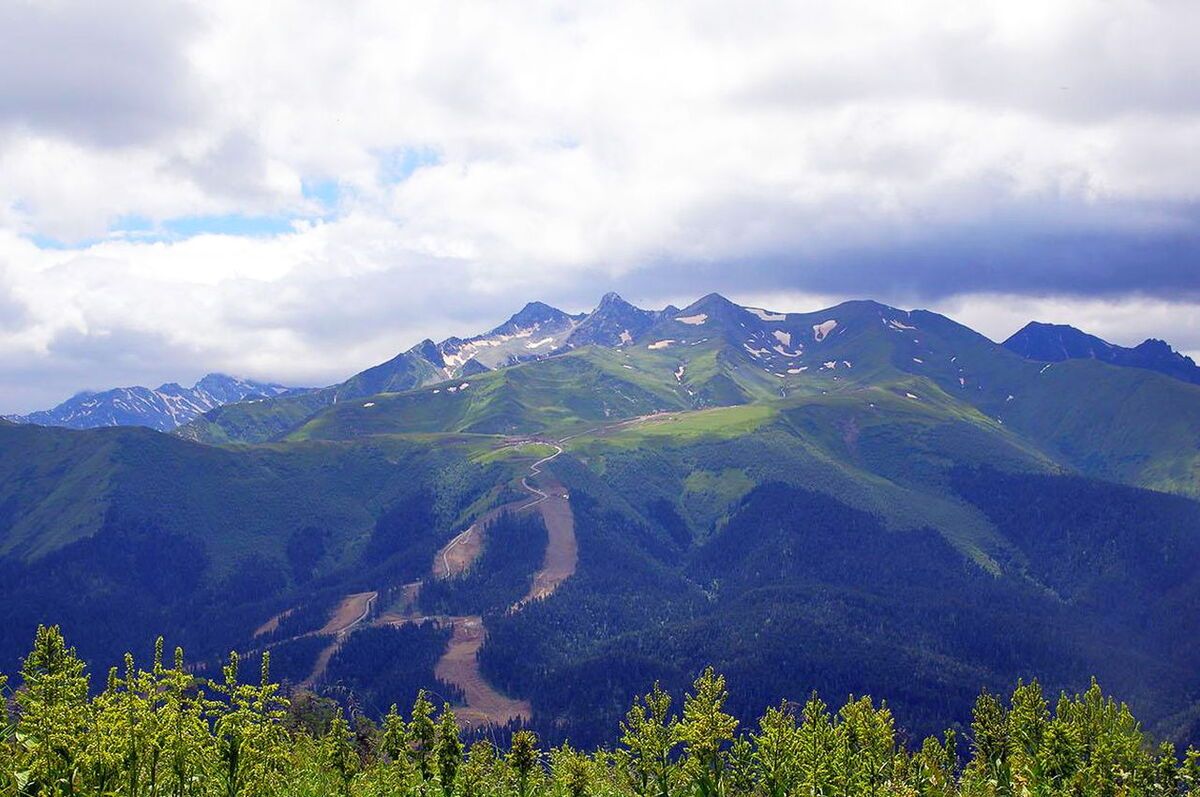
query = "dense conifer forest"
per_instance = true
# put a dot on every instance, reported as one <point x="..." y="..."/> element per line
<point x="166" y="731"/>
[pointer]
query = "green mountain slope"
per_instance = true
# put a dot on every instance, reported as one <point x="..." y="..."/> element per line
<point x="859" y="498"/>
<point x="118" y="531"/>
<point x="1127" y="425"/>
<point x="554" y="395"/>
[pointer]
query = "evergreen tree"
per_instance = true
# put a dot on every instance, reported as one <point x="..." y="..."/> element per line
<point x="394" y="742"/>
<point x="989" y="770"/>
<point x="931" y="771"/>
<point x="8" y="757"/>
<point x="776" y="750"/>
<point x="1028" y="720"/>
<point x="1189" y="773"/>
<point x="815" y="746"/>
<point x="249" y="732"/>
<point x="869" y="738"/>
<point x="572" y="771"/>
<point x="339" y="754"/>
<point x="187" y="745"/>
<point x="422" y="731"/>
<point x="478" y="771"/>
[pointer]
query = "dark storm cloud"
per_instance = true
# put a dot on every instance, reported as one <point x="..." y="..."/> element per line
<point x="1039" y="248"/>
<point x="112" y="74"/>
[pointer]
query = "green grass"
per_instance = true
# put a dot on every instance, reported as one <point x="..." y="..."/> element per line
<point x="58" y="485"/>
<point x="673" y="428"/>
<point x="1122" y="424"/>
<point x="549" y="397"/>
<point x="521" y="451"/>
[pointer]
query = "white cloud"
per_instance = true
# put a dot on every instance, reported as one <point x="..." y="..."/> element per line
<point x="562" y="149"/>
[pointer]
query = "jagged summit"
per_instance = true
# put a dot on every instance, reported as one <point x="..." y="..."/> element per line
<point x="163" y="408"/>
<point x="717" y="352"/>
<point x="1056" y="342"/>
<point x="429" y="350"/>
<point x="533" y="315"/>
<point x="614" y="322"/>
<point x="1059" y="342"/>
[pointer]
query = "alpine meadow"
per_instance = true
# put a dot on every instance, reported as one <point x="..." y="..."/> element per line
<point x="599" y="400"/>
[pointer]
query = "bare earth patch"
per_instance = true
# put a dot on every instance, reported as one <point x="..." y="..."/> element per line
<point x="562" y="549"/>
<point x="271" y="625"/>
<point x="350" y="612"/>
<point x="459" y="665"/>
<point x="457" y="556"/>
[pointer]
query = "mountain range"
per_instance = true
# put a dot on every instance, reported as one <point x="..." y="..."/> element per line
<point x="538" y="520"/>
<point x="163" y="408"/>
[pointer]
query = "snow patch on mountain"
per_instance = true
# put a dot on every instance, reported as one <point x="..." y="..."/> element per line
<point x="822" y="330"/>
<point x="163" y="408"/>
<point x="766" y="315"/>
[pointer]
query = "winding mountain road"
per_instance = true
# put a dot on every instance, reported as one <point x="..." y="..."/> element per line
<point x="459" y="664"/>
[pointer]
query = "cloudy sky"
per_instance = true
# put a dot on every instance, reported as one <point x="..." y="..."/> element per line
<point x="297" y="191"/>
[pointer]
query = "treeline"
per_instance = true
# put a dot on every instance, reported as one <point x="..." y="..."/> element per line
<point x="163" y="731"/>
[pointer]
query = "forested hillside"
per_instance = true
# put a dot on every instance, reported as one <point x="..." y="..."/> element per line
<point x="857" y="500"/>
<point x="119" y="532"/>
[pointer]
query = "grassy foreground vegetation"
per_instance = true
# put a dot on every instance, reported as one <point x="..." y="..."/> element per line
<point x="165" y="731"/>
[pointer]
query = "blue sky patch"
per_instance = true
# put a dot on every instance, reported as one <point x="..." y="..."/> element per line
<point x="327" y="192"/>
<point x="397" y="165"/>
<point x="228" y="224"/>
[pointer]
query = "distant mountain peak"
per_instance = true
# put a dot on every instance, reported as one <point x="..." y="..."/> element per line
<point x="164" y="408"/>
<point x="429" y="350"/>
<point x="1157" y="346"/>
<point x="1058" y="342"/>
<point x="614" y="322"/>
<point x="535" y="313"/>
<point x="714" y="304"/>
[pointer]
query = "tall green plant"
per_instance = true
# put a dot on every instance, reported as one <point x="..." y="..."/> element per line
<point x="648" y="736"/>
<point x="705" y="730"/>
<point x="55" y="715"/>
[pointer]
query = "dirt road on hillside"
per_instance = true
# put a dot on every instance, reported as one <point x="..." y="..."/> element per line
<point x="352" y="612"/>
<point x="562" y="549"/>
<point x="459" y="665"/>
